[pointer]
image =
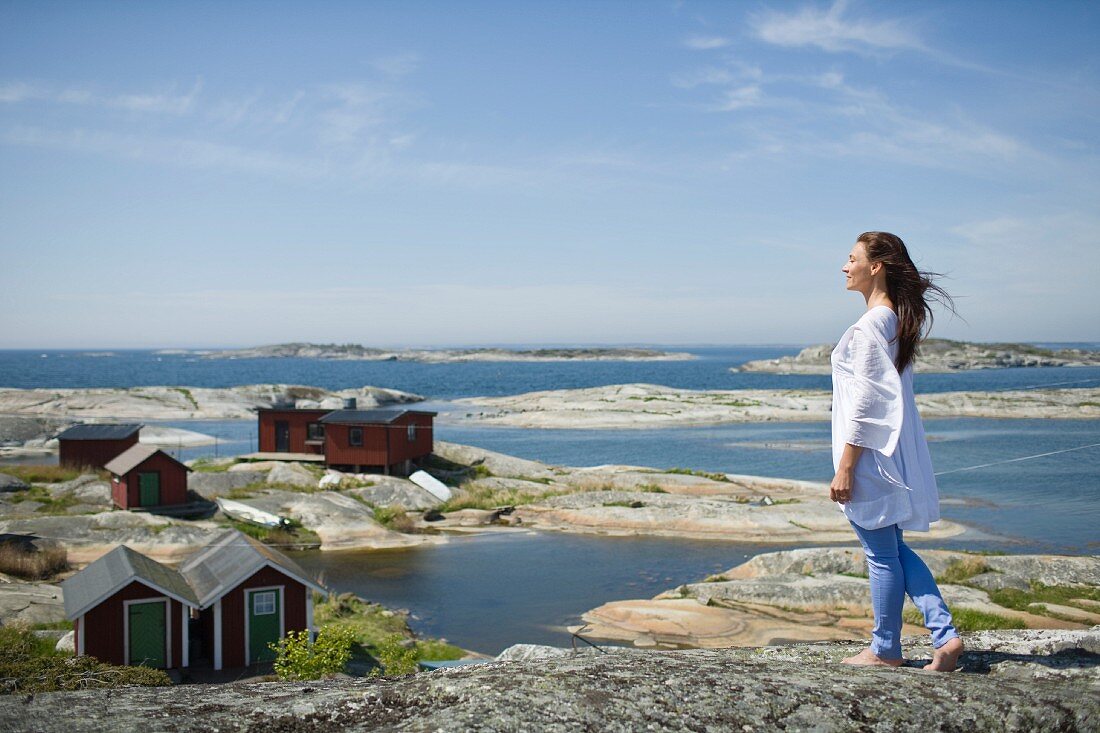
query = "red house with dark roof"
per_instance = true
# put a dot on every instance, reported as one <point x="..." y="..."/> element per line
<point x="384" y="440"/>
<point x="144" y="476"/>
<point x="94" y="445"/>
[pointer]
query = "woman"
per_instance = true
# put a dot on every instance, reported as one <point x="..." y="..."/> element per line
<point x="884" y="480"/>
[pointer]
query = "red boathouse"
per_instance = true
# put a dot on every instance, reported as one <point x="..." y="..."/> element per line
<point x="383" y="440"/>
<point x="95" y="445"/>
<point x="143" y="476"/>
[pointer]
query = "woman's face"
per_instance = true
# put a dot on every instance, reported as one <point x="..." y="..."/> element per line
<point x="858" y="270"/>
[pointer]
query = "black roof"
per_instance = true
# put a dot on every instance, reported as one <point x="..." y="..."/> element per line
<point x="368" y="417"/>
<point x="99" y="432"/>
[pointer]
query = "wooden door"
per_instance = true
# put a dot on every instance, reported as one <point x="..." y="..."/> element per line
<point x="282" y="436"/>
<point x="147" y="634"/>
<point x="264" y="623"/>
<point x="149" y="489"/>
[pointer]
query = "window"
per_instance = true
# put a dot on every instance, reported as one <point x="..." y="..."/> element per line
<point x="355" y="436"/>
<point x="315" y="431"/>
<point x="412" y="433"/>
<point x="263" y="604"/>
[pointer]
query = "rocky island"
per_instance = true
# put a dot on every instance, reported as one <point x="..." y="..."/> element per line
<point x="937" y="355"/>
<point x="356" y="352"/>
<point x="620" y="406"/>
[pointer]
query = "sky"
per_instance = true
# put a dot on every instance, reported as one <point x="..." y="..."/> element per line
<point x="209" y="174"/>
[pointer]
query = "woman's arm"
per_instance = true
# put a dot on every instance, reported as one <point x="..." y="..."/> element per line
<point x="841" y="488"/>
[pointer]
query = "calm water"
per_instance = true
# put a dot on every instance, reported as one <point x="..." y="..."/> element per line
<point x="27" y="369"/>
<point x="488" y="592"/>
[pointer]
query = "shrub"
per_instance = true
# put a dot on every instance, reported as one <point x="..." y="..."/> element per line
<point x="24" y="560"/>
<point x="29" y="664"/>
<point x="297" y="659"/>
<point x="395" y="658"/>
<point x="393" y="517"/>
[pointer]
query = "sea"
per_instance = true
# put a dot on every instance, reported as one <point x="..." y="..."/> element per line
<point x="1020" y="486"/>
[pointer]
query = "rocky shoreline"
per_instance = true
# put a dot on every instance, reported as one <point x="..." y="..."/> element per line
<point x="622" y="406"/>
<point x="937" y="355"/>
<point x="1027" y="681"/>
<point x="822" y="593"/>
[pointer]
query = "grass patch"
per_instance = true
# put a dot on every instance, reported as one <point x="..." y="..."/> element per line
<point x="701" y="474"/>
<point x="29" y="664"/>
<point x="187" y="396"/>
<point x="968" y="619"/>
<point x="34" y="474"/>
<point x="650" y="489"/>
<point x="210" y="465"/>
<point x="854" y="575"/>
<point x="62" y="625"/>
<point x="26" y="561"/>
<point x="800" y="526"/>
<point x="958" y="571"/>
<point x="627" y="504"/>
<point x="394" y="518"/>
<point x="1061" y="595"/>
<point x="377" y="630"/>
<point x="293" y="536"/>
<point x="49" y="504"/>
<point x="491" y="497"/>
<point x="719" y="578"/>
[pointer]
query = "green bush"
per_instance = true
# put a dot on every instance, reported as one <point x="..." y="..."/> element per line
<point x="297" y="659"/>
<point x="29" y="664"/>
<point x="395" y="658"/>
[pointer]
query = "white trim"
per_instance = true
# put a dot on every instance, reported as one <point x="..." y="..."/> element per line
<point x="247" y="608"/>
<point x="167" y="628"/>
<point x="185" y="636"/>
<point x="205" y="602"/>
<point x="218" y="634"/>
<point x="309" y="612"/>
<point x="80" y="631"/>
<point x="123" y="584"/>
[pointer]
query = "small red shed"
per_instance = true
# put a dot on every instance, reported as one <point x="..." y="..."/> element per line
<point x="95" y="445"/>
<point x="129" y="609"/>
<point x="250" y="595"/>
<point x="144" y="476"/>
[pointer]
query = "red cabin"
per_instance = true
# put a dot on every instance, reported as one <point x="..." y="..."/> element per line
<point x="95" y="445"/>
<point x="223" y="608"/>
<point x="144" y="476"/>
<point x="129" y="609"/>
<point x="387" y="441"/>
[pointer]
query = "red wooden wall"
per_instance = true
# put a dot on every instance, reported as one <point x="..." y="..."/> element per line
<point x="297" y="420"/>
<point x="294" y="613"/>
<point x="104" y="630"/>
<point x="97" y="453"/>
<point x="126" y="492"/>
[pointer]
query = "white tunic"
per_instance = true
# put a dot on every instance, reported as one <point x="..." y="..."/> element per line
<point x="874" y="407"/>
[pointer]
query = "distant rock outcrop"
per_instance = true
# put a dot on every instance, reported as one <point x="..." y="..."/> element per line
<point x="356" y="352"/>
<point x="1009" y="681"/>
<point x="937" y="355"/>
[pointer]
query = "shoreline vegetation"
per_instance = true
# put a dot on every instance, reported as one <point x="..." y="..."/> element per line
<point x="357" y="352"/>
<point x="937" y="356"/>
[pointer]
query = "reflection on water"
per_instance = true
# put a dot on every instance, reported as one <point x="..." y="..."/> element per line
<point x="490" y="591"/>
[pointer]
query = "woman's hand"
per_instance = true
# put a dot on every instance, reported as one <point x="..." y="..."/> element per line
<point x="840" y="490"/>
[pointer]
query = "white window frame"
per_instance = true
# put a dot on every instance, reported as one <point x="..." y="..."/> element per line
<point x="269" y="600"/>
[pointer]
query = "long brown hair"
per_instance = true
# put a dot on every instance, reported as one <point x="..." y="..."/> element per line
<point x="911" y="290"/>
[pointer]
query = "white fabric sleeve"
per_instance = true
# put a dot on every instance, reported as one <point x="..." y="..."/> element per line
<point x="876" y="403"/>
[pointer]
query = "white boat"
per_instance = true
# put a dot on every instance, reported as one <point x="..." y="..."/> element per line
<point x="252" y="515"/>
<point x="431" y="484"/>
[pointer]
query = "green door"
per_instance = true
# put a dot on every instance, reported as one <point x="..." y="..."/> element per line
<point x="147" y="634"/>
<point x="264" y="626"/>
<point x="149" y="489"/>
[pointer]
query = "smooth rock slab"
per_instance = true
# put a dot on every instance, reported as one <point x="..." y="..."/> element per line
<point x="795" y="688"/>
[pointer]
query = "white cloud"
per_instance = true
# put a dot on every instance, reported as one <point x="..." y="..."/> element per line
<point x="706" y="43"/>
<point x="830" y="30"/>
<point x="739" y="98"/>
<point x="161" y="102"/>
<point x="397" y="65"/>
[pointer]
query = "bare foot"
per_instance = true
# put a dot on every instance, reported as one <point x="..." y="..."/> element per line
<point x="946" y="657"/>
<point x="869" y="659"/>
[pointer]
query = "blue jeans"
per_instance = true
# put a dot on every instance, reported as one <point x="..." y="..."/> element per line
<point x="897" y="571"/>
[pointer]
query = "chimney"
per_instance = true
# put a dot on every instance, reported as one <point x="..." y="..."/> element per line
<point x="349" y="403"/>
